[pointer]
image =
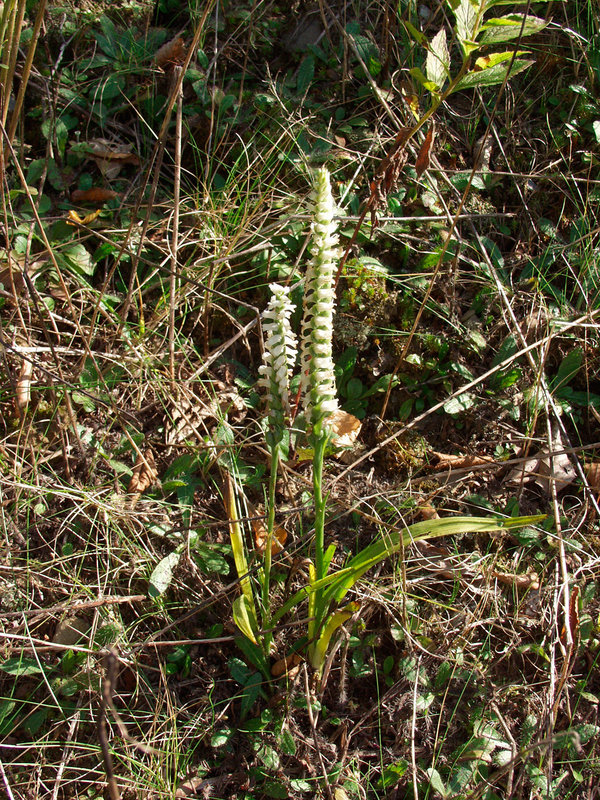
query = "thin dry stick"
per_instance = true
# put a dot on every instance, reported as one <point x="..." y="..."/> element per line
<point x="14" y="119"/>
<point x="72" y="608"/>
<point x="105" y="702"/>
<point x="413" y="730"/>
<point x="174" y="279"/>
<point x="66" y="753"/>
<point x="9" y="793"/>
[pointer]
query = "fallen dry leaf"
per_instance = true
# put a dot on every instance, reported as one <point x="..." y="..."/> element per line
<point x="23" y="388"/>
<point x="425" y="153"/>
<point x="95" y="196"/>
<point x="592" y="473"/>
<point x="346" y="428"/>
<point x="544" y="469"/>
<point x="189" y="788"/>
<point x="74" y="218"/>
<point x="144" y="473"/>
<point x="445" y="460"/>
<point x="285" y="665"/>
<point x="111" y="157"/>
<point x="171" y="53"/>
<point x="260" y="533"/>
<point x="572" y="619"/>
<point x="427" y="511"/>
<point x="71" y="631"/>
<point x="530" y="580"/>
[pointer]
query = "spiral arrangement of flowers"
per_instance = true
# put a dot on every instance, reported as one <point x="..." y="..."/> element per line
<point x="279" y="356"/>
<point x="316" y="360"/>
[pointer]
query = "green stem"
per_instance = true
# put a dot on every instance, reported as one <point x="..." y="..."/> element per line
<point x="320" y="443"/>
<point x="266" y="581"/>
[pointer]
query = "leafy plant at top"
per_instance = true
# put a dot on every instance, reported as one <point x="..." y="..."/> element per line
<point x="474" y="35"/>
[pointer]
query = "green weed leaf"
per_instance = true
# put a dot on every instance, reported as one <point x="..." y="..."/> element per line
<point x="437" y="65"/>
<point x="21" y="667"/>
<point x="77" y="259"/>
<point x="504" y="29"/>
<point x="162" y="574"/>
<point x="490" y="76"/>
<point x="306" y="74"/>
<point x="458" y="404"/>
<point x="466" y="14"/>
<point x="569" y="367"/>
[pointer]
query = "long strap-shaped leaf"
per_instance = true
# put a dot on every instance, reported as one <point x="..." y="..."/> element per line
<point x="392" y="542"/>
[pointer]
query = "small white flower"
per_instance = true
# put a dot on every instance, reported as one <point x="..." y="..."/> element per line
<point x="279" y="355"/>
<point x="318" y="380"/>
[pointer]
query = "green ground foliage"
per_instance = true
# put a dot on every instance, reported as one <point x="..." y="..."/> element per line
<point x="158" y="162"/>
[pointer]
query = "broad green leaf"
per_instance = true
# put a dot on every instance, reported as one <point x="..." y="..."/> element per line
<point x="458" y="404"/>
<point x="162" y="574"/>
<point x="569" y="367"/>
<point x="429" y="529"/>
<point x="492" y="75"/>
<point x="437" y="64"/>
<point x="491" y="3"/>
<point x="318" y="651"/>
<point x="491" y="60"/>
<point x="306" y="73"/>
<point x="435" y="780"/>
<point x="504" y="29"/>
<point x="77" y="259"/>
<point x="21" y="666"/>
<point x="466" y="14"/>
<point x="242" y="616"/>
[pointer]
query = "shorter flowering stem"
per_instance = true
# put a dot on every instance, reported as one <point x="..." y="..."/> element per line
<point x="266" y="578"/>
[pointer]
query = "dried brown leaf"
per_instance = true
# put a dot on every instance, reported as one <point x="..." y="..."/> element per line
<point x="23" y="388"/>
<point x="592" y="472"/>
<point x="446" y="460"/>
<point x="260" y="533"/>
<point x="75" y="219"/>
<point x="285" y="665"/>
<point x="144" y="473"/>
<point x="427" y="511"/>
<point x="423" y="158"/>
<point x="95" y="196"/>
<point x="111" y="157"/>
<point x="530" y="580"/>
<point x="572" y="619"/>
<point x="171" y="53"/>
<point x="346" y="428"/>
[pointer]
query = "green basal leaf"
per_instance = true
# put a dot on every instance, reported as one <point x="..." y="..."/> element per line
<point x="437" y="64"/>
<point x="504" y="29"/>
<point x="318" y="651"/>
<point x="244" y="618"/>
<point x="429" y="529"/>
<point x="491" y="60"/>
<point x="491" y="3"/>
<point x="492" y="75"/>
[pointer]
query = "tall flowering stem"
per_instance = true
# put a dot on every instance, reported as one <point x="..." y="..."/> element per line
<point x="275" y="371"/>
<point x="316" y="358"/>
